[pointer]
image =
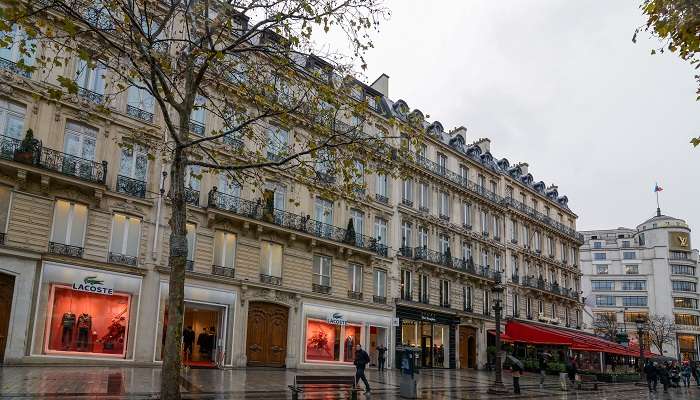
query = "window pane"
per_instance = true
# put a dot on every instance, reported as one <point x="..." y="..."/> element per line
<point x="60" y="221"/>
<point x="191" y="237"/>
<point x="78" y="227"/>
<point x="230" y="243"/>
<point x="132" y="245"/>
<point x="118" y="224"/>
<point x="276" y="260"/>
<point x="5" y="196"/>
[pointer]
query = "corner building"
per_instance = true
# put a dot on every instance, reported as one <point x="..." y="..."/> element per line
<point x="84" y="255"/>
<point x="650" y="270"/>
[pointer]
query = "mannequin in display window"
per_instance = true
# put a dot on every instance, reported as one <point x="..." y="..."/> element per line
<point x="84" y="329"/>
<point x="67" y="325"/>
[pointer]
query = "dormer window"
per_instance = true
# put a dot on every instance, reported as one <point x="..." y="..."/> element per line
<point x="372" y="102"/>
<point x="356" y="93"/>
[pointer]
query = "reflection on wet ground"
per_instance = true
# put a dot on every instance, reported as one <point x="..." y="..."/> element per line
<point x="106" y="383"/>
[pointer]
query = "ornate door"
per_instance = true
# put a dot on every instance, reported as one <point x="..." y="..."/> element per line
<point x="463" y="353"/>
<point x="266" y="343"/>
<point x="7" y="288"/>
<point x="467" y="347"/>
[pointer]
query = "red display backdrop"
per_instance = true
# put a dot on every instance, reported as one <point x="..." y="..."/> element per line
<point x="104" y="332"/>
<point x="322" y="341"/>
<point x="352" y="339"/>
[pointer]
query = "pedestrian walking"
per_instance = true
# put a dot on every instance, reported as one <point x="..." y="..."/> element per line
<point x="361" y="361"/>
<point x="381" y="357"/>
<point x="517" y="373"/>
<point x="543" y="368"/>
<point x="695" y="365"/>
<point x="664" y="376"/>
<point x="651" y="372"/>
<point x="685" y="374"/>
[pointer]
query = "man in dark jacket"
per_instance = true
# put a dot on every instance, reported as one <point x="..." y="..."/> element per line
<point x="652" y="376"/>
<point x="664" y="376"/>
<point x="188" y="340"/>
<point x="542" y="364"/>
<point x="361" y="360"/>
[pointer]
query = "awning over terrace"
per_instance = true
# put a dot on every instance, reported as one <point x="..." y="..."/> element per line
<point x="535" y="334"/>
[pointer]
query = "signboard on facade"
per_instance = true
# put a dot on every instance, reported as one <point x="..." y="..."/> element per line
<point x="679" y="241"/>
<point x="427" y="317"/>
<point x="92" y="284"/>
<point x="336" y="318"/>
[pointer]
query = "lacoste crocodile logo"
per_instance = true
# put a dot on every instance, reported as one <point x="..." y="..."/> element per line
<point x="92" y="280"/>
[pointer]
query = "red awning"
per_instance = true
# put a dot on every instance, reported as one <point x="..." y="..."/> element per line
<point x="538" y="334"/>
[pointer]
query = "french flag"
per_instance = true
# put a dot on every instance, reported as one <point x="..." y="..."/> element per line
<point x="657" y="188"/>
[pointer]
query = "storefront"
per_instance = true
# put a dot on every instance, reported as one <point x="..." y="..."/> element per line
<point x="688" y="347"/>
<point x="330" y="334"/>
<point x="207" y="337"/>
<point x="430" y="332"/>
<point x="85" y="313"/>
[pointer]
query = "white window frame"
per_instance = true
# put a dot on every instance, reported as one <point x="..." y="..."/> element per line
<point x="354" y="271"/>
<point x="69" y="223"/>
<point x="325" y="263"/>
<point x="125" y="235"/>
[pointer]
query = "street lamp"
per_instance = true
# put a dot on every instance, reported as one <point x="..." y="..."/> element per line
<point x="498" y="387"/>
<point x="640" y="332"/>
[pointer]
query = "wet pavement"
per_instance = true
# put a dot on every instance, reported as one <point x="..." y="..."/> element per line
<point x="106" y="383"/>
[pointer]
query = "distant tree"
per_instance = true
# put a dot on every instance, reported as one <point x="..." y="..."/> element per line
<point x="661" y="330"/>
<point x="606" y="325"/>
<point x="677" y="24"/>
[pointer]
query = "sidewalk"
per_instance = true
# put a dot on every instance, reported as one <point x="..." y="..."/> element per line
<point x="32" y="382"/>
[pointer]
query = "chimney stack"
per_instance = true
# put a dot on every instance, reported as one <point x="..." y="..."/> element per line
<point x="381" y="85"/>
<point x="459" y="131"/>
<point x="484" y="144"/>
<point x="524" y="167"/>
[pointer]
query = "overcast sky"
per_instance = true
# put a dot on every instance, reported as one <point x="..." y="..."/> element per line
<point x="561" y="86"/>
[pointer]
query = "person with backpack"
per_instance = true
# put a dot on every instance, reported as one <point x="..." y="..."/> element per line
<point x="361" y="361"/>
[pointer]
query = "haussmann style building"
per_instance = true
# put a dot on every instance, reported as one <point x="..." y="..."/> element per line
<point x="84" y="255"/>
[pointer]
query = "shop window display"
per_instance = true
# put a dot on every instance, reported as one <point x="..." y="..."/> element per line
<point x="331" y="342"/>
<point x="87" y="322"/>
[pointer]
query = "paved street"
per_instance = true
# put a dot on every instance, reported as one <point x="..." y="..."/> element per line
<point x="142" y="383"/>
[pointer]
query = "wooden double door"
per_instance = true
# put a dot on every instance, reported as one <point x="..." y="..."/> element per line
<point x="7" y="289"/>
<point x="266" y="342"/>
<point x="467" y="347"/>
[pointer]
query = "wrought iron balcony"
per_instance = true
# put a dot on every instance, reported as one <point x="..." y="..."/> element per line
<point x="445" y="305"/>
<point x="407" y="202"/>
<point x="467" y="226"/>
<point x="232" y="141"/>
<point x="554" y="288"/>
<point x="53" y="160"/>
<point x="469" y="308"/>
<point x="222" y="271"/>
<point x="259" y="211"/>
<point x="271" y="280"/>
<point x="444" y="217"/>
<point x="131" y="187"/>
<point x="123" y="259"/>
<point x="189" y="265"/>
<point x="197" y="128"/>
<point x="381" y="199"/>
<point x="511" y="202"/>
<point x="320" y="288"/>
<point x="325" y="177"/>
<point x="14" y="68"/>
<point x="139" y="113"/>
<point x="515" y="279"/>
<point x="94" y="97"/>
<point x="65" y="250"/>
<point x="406" y="251"/>
<point x="407" y="296"/>
<point x="354" y="295"/>
<point x="423" y="209"/>
<point x="424" y="298"/>
<point x="192" y="196"/>
<point x="379" y="299"/>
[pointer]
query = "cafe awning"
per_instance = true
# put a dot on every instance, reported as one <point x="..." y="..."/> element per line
<point x="536" y="334"/>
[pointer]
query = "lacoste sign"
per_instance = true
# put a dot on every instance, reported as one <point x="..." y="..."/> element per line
<point x="336" y="318"/>
<point x="91" y="284"/>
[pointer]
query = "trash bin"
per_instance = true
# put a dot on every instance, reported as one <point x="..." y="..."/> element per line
<point x="407" y="383"/>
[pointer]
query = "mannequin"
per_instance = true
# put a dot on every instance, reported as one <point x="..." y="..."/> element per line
<point x="84" y="328"/>
<point x="67" y="325"/>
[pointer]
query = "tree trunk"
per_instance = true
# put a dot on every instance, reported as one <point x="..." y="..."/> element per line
<point x="172" y="349"/>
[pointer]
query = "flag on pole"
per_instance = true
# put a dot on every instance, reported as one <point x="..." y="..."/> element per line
<point x="657" y="188"/>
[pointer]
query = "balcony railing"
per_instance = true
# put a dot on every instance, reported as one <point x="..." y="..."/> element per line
<point x="406" y="251"/>
<point x="354" y="295"/>
<point x="467" y="266"/>
<point x="131" y="187"/>
<point x="325" y="177"/>
<point x="554" y="288"/>
<point x="511" y="202"/>
<point x="232" y="141"/>
<point x="407" y="296"/>
<point x="257" y="210"/>
<point x="65" y="250"/>
<point x="407" y="202"/>
<point x="192" y="196"/>
<point x="445" y="305"/>
<point x="222" y="271"/>
<point x="381" y="199"/>
<point x="139" y="113"/>
<point x="94" y="97"/>
<point x="13" y="67"/>
<point x="123" y="259"/>
<point x="197" y="128"/>
<point x="515" y="279"/>
<point x="53" y="160"/>
<point x="379" y="299"/>
<point x="189" y="265"/>
<point x="271" y="280"/>
<point x="315" y="287"/>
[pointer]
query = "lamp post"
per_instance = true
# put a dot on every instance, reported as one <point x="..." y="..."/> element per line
<point x="498" y="387"/>
<point x="640" y="334"/>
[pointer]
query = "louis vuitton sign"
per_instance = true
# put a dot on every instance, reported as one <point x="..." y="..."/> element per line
<point x="679" y="241"/>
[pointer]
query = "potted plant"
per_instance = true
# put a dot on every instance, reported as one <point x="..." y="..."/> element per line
<point x="27" y="148"/>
